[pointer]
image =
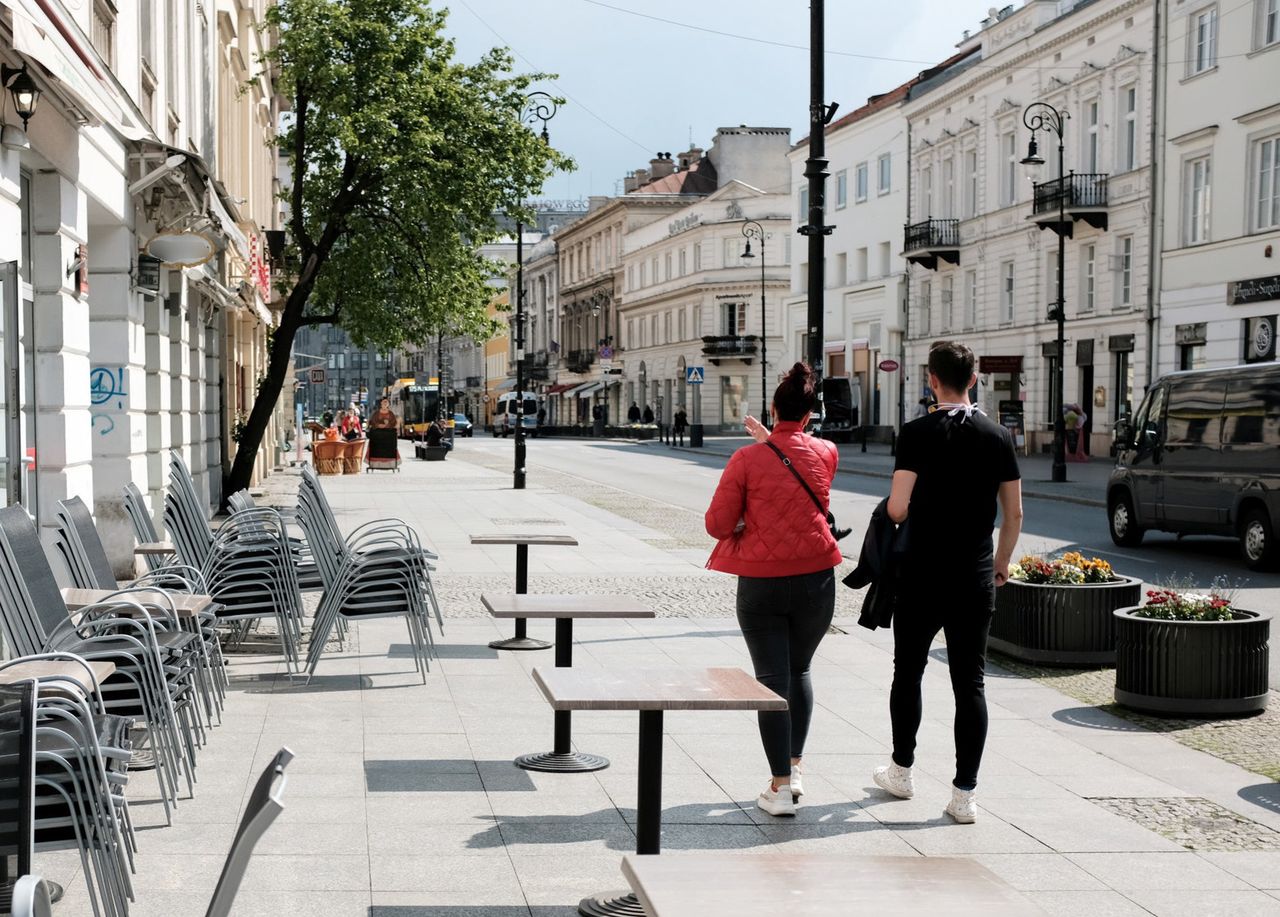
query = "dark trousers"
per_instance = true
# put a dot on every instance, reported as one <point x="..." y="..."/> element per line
<point x="964" y="617"/>
<point x="677" y="436"/>
<point x="783" y="619"/>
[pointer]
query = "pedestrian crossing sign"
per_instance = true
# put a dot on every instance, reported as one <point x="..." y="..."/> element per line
<point x="693" y="375"/>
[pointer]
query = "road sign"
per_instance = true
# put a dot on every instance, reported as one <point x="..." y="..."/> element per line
<point x="888" y="366"/>
<point x="317" y="375"/>
<point x="694" y="375"/>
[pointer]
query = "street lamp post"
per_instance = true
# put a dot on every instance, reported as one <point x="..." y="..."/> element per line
<point x="753" y="230"/>
<point x="600" y="302"/>
<point x="1042" y="116"/>
<point x="538" y="107"/>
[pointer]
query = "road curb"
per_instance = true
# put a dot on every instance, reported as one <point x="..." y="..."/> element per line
<point x="888" y="475"/>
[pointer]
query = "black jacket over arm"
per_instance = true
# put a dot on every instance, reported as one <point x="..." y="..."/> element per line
<point x="879" y="566"/>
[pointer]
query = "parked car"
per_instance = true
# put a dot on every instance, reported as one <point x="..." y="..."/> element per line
<point x="510" y="407"/>
<point x="461" y="425"/>
<point x="1202" y="456"/>
<point x="840" y="400"/>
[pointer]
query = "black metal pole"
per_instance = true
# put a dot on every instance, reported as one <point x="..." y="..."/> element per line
<point x="518" y="482"/>
<point x="649" y="784"/>
<point x="816" y="171"/>
<point x="1059" y="423"/>
<point x="764" y="344"/>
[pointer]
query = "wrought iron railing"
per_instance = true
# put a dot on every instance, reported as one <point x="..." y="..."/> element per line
<point x="932" y="234"/>
<point x="1078" y="189"/>
<point x="729" y="345"/>
<point x="579" y="361"/>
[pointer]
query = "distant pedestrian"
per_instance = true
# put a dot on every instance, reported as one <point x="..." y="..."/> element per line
<point x="648" y="414"/>
<point x="633" y="413"/>
<point x="952" y="468"/>
<point x="771" y="534"/>
<point x="542" y="416"/>
<point x="922" y="408"/>
<point x="681" y="424"/>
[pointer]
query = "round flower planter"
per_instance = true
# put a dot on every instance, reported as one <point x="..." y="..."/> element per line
<point x="1192" y="668"/>
<point x="1061" y="625"/>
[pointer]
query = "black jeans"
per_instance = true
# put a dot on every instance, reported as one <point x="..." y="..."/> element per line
<point x="964" y="617"/>
<point x="783" y="619"/>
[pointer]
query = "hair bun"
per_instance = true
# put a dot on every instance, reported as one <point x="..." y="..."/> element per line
<point x="801" y="377"/>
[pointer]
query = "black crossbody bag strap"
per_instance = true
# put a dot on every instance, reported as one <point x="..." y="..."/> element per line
<point x="822" y="510"/>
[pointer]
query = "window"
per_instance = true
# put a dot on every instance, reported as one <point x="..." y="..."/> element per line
<point x="642" y="279"/>
<point x="631" y="276"/>
<point x="860" y="182"/>
<point x="1266" y="178"/>
<point x="970" y="300"/>
<point x="146" y="31"/>
<point x="1195" y="201"/>
<point x="1009" y="175"/>
<point x="680" y="325"/>
<point x="1129" y="130"/>
<point x="1190" y="356"/>
<point x="697" y="256"/>
<point x="926" y="306"/>
<point x="860" y="265"/>
<point x="655" y="270"/>
<point x="1267" y="31"/>
<point x="733" y="252"/>
<point x="842" y="270"/>
<point x="948" y="187"/>
<point x="1204" y="41"/>
<point x="1195" y="409"/>
<point x="1124" y="284"/>
<point x="1088" y="256"/>
<point x="683" y="262"/>
<point x="1006" y="292"/>
<point x="948" y="295"/>
<point x="884" y="167"/>
<point x="926" y="193"/>
<point x="971" y="184"/>
<point x="102" y="34"/>
<point x="886" y="257"/>
<point x="1090" y="157"/>
<point x="842" y="188"/>
<point x="804" y="205"/>
<point x="735" y="318"/>
<point x="666" y="266"/>
<point x="631" y="333"/>
<point x="666" y="327"/>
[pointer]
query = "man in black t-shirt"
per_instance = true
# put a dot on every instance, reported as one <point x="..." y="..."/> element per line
<point x="953" y="466"/>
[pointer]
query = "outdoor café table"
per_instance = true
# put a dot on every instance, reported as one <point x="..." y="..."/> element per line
<point x="564" y="608"/>
<point x="185" y="605"/>
<point x="59" y="672"/>
<point x="808" y="885"/>
<point x="522" y="542"/>
<point x="651" y="692"/>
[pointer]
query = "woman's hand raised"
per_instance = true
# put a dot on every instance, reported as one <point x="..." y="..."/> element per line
<point x="756" y="429"/>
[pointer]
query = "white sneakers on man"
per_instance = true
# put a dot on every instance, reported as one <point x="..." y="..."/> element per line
<point x="963" y="806"/>
<point x="895" y="779"/>
<point x="797" y="785"/>
<point x="779" y="802"/>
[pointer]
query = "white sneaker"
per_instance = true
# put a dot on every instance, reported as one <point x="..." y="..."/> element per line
<point x="797" y="786"/>
<point x="777" y="802"/>
<point x="963" y="806"/>
<point x="895" y="779"/>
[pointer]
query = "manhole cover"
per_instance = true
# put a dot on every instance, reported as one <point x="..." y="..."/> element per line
<point x="527" y="521"/>
<point x="1195" y="823"/>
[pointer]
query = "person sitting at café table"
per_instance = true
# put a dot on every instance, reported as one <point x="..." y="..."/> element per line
<point x="351" y="427"/>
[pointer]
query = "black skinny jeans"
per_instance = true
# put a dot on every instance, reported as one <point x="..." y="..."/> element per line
<point x="964" y="617"/>
<point x="783" y="619"/>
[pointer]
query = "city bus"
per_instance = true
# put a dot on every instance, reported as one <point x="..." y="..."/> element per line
<point x="415" y="405"/>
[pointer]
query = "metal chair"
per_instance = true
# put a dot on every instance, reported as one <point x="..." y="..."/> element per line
<point x="31" y="898"/>
<point x="17" y="779"/>
<point x="144" y="528"/>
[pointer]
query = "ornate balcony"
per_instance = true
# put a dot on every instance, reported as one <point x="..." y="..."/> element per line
<point x="579" y="361"/>
<point x="926" y="242"/>
<point x="537" y="366"/>
<point x="729" y="347"/>
<point x="1077" y="196"/>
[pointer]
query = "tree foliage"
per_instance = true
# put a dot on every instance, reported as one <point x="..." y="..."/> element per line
<point x="400" y="157"/>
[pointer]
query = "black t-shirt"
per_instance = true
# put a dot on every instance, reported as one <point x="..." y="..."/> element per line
<point x="959" y="464"/>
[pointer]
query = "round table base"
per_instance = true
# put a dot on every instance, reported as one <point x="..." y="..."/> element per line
<point x="574" y="762"/>
<point x="143" y="757"/>
<point x="612" y="904"/>
<point x="520" y="643"/>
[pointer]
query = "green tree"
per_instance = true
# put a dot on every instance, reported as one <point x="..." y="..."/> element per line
<point x="400" y="157"/>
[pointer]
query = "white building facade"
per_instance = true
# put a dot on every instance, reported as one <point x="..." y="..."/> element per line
<point x="1219" y="189"/>
<point x="983" y="270"/>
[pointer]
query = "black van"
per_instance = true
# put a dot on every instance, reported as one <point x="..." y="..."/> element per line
<point x="1202" y="456"/>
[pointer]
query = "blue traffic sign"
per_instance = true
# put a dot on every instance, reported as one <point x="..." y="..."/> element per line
<point x="694" y="375"/>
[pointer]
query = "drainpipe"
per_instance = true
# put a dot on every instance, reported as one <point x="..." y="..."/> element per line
<point x="1155" y="265"/>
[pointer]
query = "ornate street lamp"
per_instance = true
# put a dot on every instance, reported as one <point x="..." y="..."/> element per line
<point x="1042" y="116"/>
<point x="538" y="107"/>
<point x="753" y="230"/>
<point x="26" y="95"/>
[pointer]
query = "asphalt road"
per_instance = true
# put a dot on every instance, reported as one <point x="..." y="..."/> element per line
<point x="688" y="479"/>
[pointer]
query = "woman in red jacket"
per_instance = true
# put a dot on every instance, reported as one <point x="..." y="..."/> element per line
<point x="772" y="536"/>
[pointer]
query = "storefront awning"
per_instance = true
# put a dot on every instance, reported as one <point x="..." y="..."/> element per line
<point x="589" y="389"/>
<point x="506" y="386"/>
<point x="561" y="387"/>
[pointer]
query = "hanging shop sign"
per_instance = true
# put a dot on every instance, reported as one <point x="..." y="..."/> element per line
<point x="149" y="273"/>
<point x="1000" y="364"/>
<point x="181" y="249"/>
<point x="888" y="366"/>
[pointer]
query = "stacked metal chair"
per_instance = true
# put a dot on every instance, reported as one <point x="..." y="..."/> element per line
<point x="77" y="541"/>
<point x="247" y="565"/>
<point x="309" y="579"/>
<point x="154" y="667"/>
<point x="381" y="571"/>
<point x="135" y="506"/>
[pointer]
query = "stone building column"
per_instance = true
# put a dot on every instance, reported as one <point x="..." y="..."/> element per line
<point x="159" y="394"/>
<point x="212" y="420"/>
<point x="117" y="388"/>
<point x="194" y="383"/>
<point x="180" y="375"/>
<point x="64" y="451"/>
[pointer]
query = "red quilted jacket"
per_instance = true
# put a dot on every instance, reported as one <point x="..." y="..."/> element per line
<point x="784" y="534"/>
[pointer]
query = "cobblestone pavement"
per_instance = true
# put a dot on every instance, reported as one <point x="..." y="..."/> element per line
<point x="1195" y="823"/>
<point x="1251" y="742"/>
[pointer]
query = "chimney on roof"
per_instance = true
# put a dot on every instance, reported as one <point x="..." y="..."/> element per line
<point x="661" y="166"/>
<point x="690" y="158"/>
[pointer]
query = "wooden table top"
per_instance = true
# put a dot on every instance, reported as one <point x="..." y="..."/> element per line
<point x="185" y="605"/>
<point x="806" y="885"/>
<point x="60" y="670"/>
<point x="689" y="688"/>
<point x="564" y="606"/>
<point x="513" y="538"/>
<point x="154" y="547"/>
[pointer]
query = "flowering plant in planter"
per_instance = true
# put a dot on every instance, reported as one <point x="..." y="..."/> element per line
<point x="1071" y="569"/>
<point x="1172" y="605"/>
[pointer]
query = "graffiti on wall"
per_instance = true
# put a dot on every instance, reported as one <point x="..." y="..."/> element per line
<point x="108" y="397"/>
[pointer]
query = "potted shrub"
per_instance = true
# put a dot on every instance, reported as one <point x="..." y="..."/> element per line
<point x="1060" y="612"/>
<point x="1188" y="653"/>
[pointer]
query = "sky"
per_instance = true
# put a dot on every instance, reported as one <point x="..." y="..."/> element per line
<point x="635" y="86"/>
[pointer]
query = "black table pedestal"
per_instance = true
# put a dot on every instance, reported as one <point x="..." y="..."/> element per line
<point x="520" y="641"/>
<point x="562" y="759"/>
<point x="648" y="820"/>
